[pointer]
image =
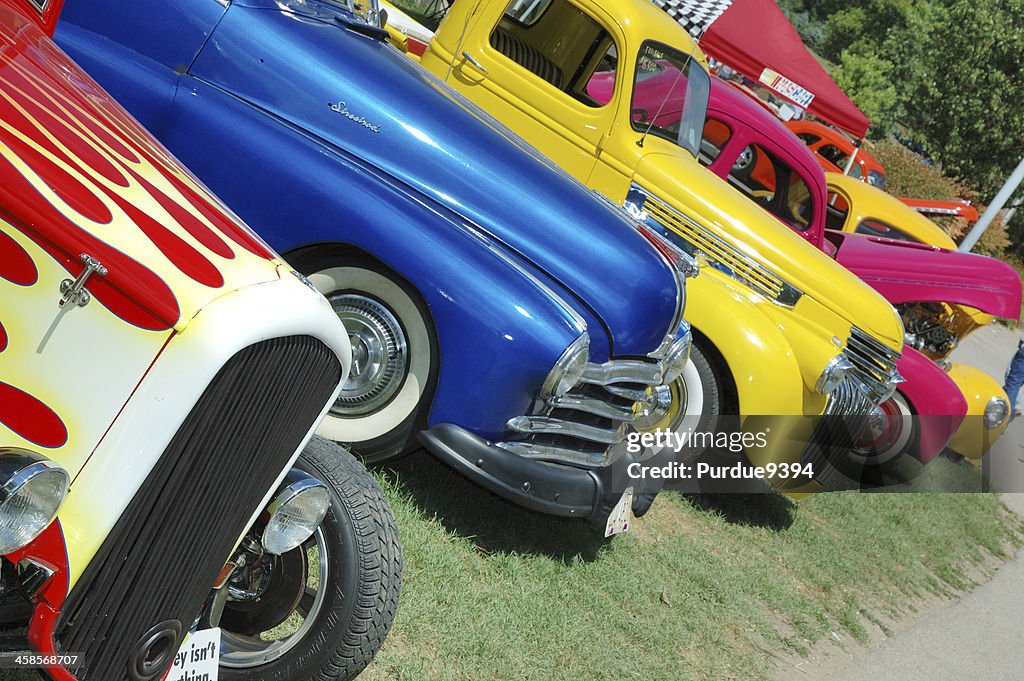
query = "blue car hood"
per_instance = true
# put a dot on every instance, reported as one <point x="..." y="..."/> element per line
<point x="364" y="97"/>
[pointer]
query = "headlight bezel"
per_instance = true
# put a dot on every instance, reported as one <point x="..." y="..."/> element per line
<point x="1003" y="405"/>
<point x="568" y="368"/>
<point x="27" y="474"/>
<point x="297" y="487"/>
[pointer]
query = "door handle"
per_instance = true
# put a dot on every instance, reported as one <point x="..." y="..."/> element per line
<point x="473" y="61"/>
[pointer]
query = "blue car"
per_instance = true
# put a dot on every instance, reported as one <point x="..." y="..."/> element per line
<point x="514" y="323"/>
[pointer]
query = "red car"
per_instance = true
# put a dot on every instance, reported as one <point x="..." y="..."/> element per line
<point x="832" y="149"/>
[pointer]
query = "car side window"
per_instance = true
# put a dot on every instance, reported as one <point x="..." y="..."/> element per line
<point x="716" y="136"/>
<point x="873" y="227"/>
<point x="774" y="186"/>
<point x="808" y="138"/>
<point x="833" y="155"/>
<point x="561" y="45"/>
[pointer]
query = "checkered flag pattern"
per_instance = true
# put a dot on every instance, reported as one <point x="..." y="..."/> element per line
<point x="694" y="15"/>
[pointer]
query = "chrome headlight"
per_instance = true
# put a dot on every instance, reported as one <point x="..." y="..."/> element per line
<point x="32" y="491"/>
<point x="296" y="511"/>
<point x="996" y="412"/>
<point x="835" y="371"/>
<point x="569" y="368"/>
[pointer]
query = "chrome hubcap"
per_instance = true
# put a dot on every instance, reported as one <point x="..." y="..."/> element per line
<point x="655" y="408"/>
<point x="744" y="159"/>
<point x="380" y="355"/>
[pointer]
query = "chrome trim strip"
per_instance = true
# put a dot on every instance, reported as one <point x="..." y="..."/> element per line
<point x="592" y="405"/>
<point x="787" y="295"/>
<point x="628" y="393"/>
<point x="528" y="450"/>
<point x="623" y="371"/>
<point x="552" y="426"/>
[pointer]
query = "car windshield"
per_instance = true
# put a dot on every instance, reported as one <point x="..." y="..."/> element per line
<point x="368" y="10"/>
<point x="876" y="179"/>
<point x="670" y="95"/>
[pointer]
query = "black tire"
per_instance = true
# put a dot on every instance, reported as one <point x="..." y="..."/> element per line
<point x="381" y="311"/>
<point x="360" y="599"/>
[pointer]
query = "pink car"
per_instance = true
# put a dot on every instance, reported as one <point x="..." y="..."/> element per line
<point x="751" y="149"/>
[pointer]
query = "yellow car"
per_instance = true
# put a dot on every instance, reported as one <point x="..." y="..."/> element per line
<point x="936" y="328"/>
<point x="858" y="207"/>
<point x="615" y="93"/>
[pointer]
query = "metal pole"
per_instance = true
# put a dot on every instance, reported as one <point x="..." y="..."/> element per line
<point x="1012" y="210"/>
<point x="997" y="204"/>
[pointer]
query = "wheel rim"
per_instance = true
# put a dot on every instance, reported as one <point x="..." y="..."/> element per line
<point x="242" y="651"/>
<point x="380" y="355"/>
<point x="887" y="436"/>
<point x="744" y="159"/>
<point x="686" y="406"/>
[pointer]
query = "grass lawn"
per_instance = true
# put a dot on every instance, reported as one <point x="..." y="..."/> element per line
<point x="701" y="588"/>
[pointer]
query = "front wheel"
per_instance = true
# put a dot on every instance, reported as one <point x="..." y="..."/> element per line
<point x="385" y="400"/>
<point x="890" y="434"/>
<point x="321" y="611"/>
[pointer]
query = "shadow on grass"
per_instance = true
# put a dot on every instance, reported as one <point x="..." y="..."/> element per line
<point x="760" y="509"/>
<point x="491" y="523"/>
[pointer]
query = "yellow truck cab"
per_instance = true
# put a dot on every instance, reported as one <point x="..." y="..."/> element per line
<point x="616" y="93"/>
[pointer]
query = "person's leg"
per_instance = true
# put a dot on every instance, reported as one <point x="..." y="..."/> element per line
<point x="1015" y="378"/>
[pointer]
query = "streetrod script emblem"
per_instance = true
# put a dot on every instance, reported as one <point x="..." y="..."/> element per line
<point x="342" y="109"/>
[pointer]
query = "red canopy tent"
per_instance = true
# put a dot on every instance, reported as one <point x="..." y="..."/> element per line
<point x="756" y="39"/>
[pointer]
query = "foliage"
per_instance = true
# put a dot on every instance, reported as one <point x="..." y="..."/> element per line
<point x="862" y="74"/>
<point x="949" y="69"/>
<point x="908" y="175"/>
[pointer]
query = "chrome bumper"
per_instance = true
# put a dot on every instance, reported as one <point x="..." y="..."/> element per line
<point x="610" y="401"/>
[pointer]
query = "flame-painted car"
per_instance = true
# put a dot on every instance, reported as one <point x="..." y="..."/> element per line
<point x="940" y="294"/>
<point x="515" y="322"/>
<point x="779" y="328"/>
<point x="161" y="369"/>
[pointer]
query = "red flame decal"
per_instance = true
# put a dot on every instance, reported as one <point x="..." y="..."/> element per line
<point x="30" y="418"/>
<point x="20" y="205"/>
<point x="190" y="222"/>
<point x="189" y="260"/>
<point x="61" y="128"/>
<point x="16" y="264"/>
<point x="73" y="192"/>
<point x="3" y="337"/>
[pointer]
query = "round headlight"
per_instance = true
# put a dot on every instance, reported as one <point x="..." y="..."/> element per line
<point x="834" y="373"/>
<point x="996" y="412"/>
<point x="33" y="490"/>
<point x="295" y="513"/>
<point x="569" y="368"/>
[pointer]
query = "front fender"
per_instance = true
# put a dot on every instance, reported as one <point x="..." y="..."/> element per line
<point x="937" y="402"/>
<point x="973" y="439"/>
<point x="762" y="362"/>
<point x="499" y="322"/>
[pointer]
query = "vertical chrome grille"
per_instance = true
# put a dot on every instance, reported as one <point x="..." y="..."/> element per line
<point x="874" y="363"/>
<point x="159" y="561"/>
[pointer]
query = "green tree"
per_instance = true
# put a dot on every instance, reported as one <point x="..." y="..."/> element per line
<point x="866" y="79"/>
<point x="964" y="93"/>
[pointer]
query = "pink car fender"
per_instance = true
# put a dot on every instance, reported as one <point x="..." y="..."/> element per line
<point x="940" y="406"/>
